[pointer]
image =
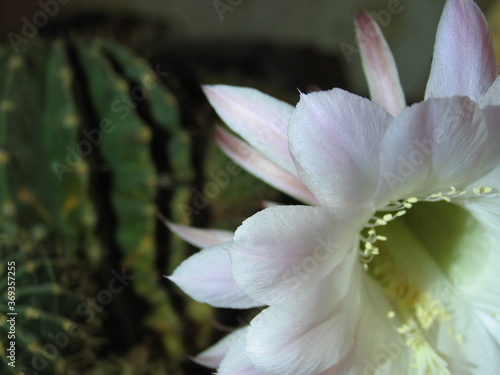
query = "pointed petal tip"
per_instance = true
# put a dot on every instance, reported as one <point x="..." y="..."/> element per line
<point x="216" y="92"/>
<point x="206" y="89"/>
<point x="379" y="65"/>
<point x="362" y="18"/>
<point x="464" y="49"/>
<point x="165" y="221"/>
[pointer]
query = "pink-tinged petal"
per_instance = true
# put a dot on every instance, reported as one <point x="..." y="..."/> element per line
<point x="236" y="361"/>
<point x="263" y="168"/>
<point x="334" y="139"/>
<point x="492" y="96"/>
<point x="200" y="237"/>
<point x="312" y="331"/>
<point x="464" y="60"/>
<point x="213" y="356"/>
<point x="206" y="277"/>
<point x="434" y="145"/>
<point x="379" y="66"/>
<point x="283" y="250"/>
<point x="259" y="118"/>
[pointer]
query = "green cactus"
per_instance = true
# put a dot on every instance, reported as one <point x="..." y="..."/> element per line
<point x="91" y="148"/>
<point x="36" y="310"/>
<point x="38" y="124"/>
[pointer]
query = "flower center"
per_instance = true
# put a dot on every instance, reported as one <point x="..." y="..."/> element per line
<point x="421" y="260"/>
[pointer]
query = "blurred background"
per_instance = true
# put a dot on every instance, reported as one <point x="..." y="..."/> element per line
<point x="104" y="131"/>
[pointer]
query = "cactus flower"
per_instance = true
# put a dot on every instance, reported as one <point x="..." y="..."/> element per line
<point x="393" y="269"/>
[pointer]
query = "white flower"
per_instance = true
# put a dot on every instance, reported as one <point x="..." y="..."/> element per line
<point x="394" y="270"/>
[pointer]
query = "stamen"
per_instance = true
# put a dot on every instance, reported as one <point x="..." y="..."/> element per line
<point x="417" y="313"/>
<point x="427" y="361"/>
<point x="399" y="208"/>
<point x="454" y="193"/>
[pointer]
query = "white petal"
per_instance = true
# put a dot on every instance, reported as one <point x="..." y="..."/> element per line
<point x="476" y="272"/>
<point x="213" y="356"/>
<point x="334" y="139"/>
<point x="311" y="331"/>
<point x="467" y="342"/>
<point x="200" y="237"/>
<point x="377" y="349"/>
<point x="236" y="361"/>
<point x="339" y="328"/>
<point x="206" y="277"/>
<point x="259" y="118"/>
<point x="464" y="60"/>
<point x="379" y="66"/>
<point x="434" y="145"/>
<point x="282" y="250"/>
<point x="486" y="209"/>
<point x="261" y="167"/>
<point x="492" y="96"/>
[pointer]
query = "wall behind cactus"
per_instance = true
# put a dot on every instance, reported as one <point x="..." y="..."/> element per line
<point x="323" y="24"/>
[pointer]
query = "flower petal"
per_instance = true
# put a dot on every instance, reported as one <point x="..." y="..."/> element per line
<point x="377" y="348"/>
<point x="206" y="277"/>
<point x="334" y="139"/>
<point x="259" y="118"/>
<point x="434" y="145"/>
<point x="486" y="211"/>
<point x="313" y="330"/>
<point x="464" y="60"/>
<point x="261" y="167"/>
<point x="471" y="347"/>
<point x="379" y="66"/>
<point x="285" y="249"/>
<point x="213" y="356"/>
<point x="236" y="361"/>
<point x="200" y="237"/>
<point x="492" y="96"/>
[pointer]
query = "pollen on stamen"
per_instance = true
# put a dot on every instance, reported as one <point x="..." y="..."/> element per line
<point x="482" y="190"/>
<point x="427" y="361"/>
<point x="454" y="193"/>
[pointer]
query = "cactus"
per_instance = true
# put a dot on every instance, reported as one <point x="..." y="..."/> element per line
<point x="80" y="156"/>
<point x="38" y="123"/>
<point x="35" y="313"/>
<point x="91" y="149"/>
